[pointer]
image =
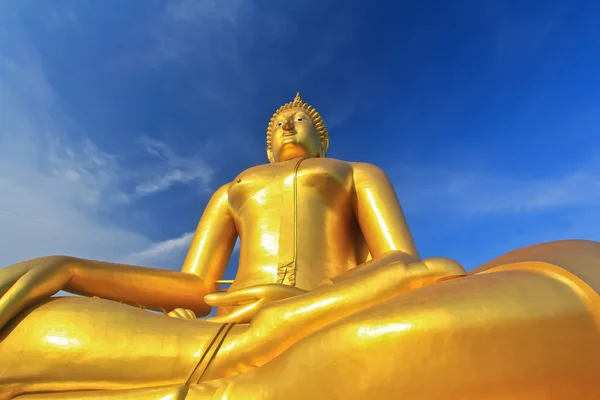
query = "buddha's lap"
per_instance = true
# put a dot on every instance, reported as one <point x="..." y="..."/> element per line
<point x="106" y="321"/>
<point x="479" y="320"/>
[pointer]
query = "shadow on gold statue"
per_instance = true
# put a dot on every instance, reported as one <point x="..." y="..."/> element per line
<point x="331" y="301"/>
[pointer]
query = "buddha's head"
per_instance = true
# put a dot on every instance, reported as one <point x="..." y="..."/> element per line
<point x="296" y="130"/>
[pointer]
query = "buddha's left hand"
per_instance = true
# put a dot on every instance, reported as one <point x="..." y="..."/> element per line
<point x="246" y="302"/>
<point x="182" y="313"/>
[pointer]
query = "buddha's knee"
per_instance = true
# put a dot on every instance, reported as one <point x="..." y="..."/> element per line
<point x="498" y="332"/>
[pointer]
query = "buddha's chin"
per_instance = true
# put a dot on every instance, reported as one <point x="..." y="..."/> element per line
<point x="290" y="151"/>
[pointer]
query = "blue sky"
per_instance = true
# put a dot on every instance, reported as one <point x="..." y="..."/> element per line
<point x="119" y="117"/>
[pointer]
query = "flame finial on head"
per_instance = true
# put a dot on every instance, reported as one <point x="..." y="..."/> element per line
<point x="314" y="115"/>
<point x="298" y="99"/>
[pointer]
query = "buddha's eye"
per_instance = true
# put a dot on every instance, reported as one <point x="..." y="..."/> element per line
<point x="299" y="119"/>
<point x="279" y="124"/>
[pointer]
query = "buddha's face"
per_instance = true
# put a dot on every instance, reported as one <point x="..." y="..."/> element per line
<point x="294" y="136"/>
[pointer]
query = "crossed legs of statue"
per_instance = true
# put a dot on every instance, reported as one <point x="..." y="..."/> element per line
<point x="355" y="339"/>
<point x="90" y="344"/>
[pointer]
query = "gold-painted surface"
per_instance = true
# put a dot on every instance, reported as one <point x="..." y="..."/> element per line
<point x="356" y="315"/>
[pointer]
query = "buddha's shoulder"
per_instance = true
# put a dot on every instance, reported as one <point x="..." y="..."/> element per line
<point x="365" y="169"/>
<point x="328" y="164"/>
<point x="354" y="165"/>
<point x="256" y="171"/>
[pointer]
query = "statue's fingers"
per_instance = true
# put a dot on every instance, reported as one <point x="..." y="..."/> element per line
<point x="240" y="315"/>
<point x="174" y="314"/>
<point x="223" y="319"/>
<point x="34" y="285"/>
<point x="11" y="274"/>
<point x="182" y="313"/>
<point x="234" y="298"/>
<point x="7" y="280"/>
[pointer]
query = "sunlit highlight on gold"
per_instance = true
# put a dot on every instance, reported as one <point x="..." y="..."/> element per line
<point x="375" y="331"/>
<point x="315" y="306"/>
<point x="61" y="341"/>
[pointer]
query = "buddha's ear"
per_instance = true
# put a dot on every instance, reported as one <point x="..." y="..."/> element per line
<point x="324" y="147"/>
<point x="270" y="156"/>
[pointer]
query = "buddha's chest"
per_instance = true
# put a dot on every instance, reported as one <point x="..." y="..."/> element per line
<point x="311" y="182"/>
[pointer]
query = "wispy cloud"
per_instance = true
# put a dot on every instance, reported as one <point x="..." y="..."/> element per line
<point x="167" y="253"/>
<point x="473" y="216"/>
<point x="173" y="169"/>
<point x="57" y="184"/>
<point x="476" y="193"/>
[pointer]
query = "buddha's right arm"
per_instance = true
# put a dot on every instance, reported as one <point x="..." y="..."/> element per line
<point x="24" y="283"/>
<point x="153" y="288"/>
<point x="213" y="241"/>
<point x="28" y="282"/>
<point x="158" y="289"/>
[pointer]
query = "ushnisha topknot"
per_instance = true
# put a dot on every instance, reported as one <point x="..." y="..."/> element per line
<point x="314" y="115"/>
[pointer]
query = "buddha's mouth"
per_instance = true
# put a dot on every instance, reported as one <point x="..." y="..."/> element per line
<point x="289" y="134"/>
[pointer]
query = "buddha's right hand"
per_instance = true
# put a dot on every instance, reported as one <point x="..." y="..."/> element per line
<point x="24" y="283"/>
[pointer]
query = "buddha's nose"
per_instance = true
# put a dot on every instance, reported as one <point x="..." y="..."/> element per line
<point x="287" y="126"/>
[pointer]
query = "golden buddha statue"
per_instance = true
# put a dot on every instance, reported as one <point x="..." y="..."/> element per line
<point x="331" y="301"/>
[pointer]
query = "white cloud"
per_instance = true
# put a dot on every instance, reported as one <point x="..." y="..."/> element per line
<point x="173" y="170"/>
<point x="170" y="252"/>
<point x="162" y="253"/>
<point x="57" y="184"/>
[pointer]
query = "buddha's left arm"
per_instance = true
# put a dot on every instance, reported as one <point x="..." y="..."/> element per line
<point x="380" y="215"/>
<point x="381" y="221"/>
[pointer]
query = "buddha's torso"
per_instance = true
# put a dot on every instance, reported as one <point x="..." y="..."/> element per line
<point x="296" y="222"/>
